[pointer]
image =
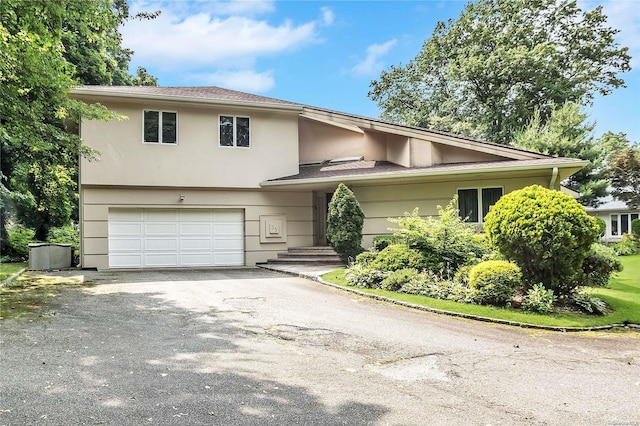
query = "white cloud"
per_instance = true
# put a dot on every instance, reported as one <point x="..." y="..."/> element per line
<point x="371" y="65"/>
<point x="327" y="16"/>
<point x="243" y="80"/>
<point x="193" y="38"/>
<point x="624" y="15"/>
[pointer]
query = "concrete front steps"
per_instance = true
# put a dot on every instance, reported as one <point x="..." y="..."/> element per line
<point x="307" y="255"/>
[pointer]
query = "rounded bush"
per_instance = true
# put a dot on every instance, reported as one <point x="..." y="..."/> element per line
<point x="495" y="281"/>
<point x="365" y="257"/>
<point x="600" y="263"/>
<point x="397" y="256"/>
<point x="602" y="227"/>
<point x="344" y="224"/>
<point x="547" y="233"/>
<point x="19" y="238"/>
<point x="635" y="227"/>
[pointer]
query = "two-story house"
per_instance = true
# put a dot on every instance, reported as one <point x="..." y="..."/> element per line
<point x="203" y="176"/>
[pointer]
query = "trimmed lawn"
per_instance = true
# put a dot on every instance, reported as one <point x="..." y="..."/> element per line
<point x="8" y="269"/>
<point x="622" y="295"/>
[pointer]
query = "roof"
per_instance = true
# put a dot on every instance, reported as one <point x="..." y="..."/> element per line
<point x="203" y="94"/>
<point x="367" y="169"/>
<point x="610" y="204"/>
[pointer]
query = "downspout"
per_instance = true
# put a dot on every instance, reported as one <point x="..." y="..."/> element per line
<point x="554" y="177"/>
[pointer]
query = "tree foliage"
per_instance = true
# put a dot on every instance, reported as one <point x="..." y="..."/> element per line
<point x="46" y="48"/>
<point x="547" y="233"/>
<point x="344" y="224"/>
<point x="567" y="134"/>
<point x="484" y="74"/>
<point x="624" y="173"/>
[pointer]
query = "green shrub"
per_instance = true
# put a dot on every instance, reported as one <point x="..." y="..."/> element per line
<point x="627" y="245"/>
<point x="380" y="242"/>
<point x="365" y="257"/>
<point x="495" y="281"/>
<point x="597" y="267"/>
<point x="635" y="228"/>
<point x="19" y="237"/>
<point x="64" y="235"/>
<point x="446" y="242"/>
<point x="462" y="276"/>
<point x="539" y="299"/>
<point x="589" y="304"/>
<point x="547" y="233"/>
<point x="362" y="276"/>
<point x="344" y="224"/>
<point x="429" y="284"/>
<point x="397" y="256"/>
<point x="396" y="279"/>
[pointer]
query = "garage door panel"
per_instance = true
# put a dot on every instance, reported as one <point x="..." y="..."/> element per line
<point x="125" y="244"/>
<point x="161" y="260"/>
<point x="161" y="244"/>
<point x="152" y="215"/>
<point x="196" y="228"/>
<point x="122" y="260"/>
<point x="172" y="238"/>
<point x="125" y="229"/>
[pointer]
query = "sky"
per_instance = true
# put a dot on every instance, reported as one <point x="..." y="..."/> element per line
<point x="326" y="53"/>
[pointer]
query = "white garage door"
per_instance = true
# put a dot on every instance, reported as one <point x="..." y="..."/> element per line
<point x="158" y="238"/>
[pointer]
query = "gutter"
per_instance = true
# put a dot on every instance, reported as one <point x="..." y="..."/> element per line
<point x="554" y="178"/>
<point x="427" y="173"/>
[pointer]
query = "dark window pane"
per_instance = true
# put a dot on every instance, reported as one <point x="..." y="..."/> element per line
<point x="151" y="124"/>
<point x="468" y="204"/>
<point x="242" y="131"/>
<point x="614" y="224"/>
<point x="169" y="127"/>
<point x="634" y="216"/>
<point x="490" y="196"/>
<point x="226" y="131"/>
<point x="624" y="224"/>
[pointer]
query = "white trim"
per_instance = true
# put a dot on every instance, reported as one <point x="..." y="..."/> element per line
<point x="160" y="112"/>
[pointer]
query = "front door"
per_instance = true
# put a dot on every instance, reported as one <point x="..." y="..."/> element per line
<point x="321" y="201"/>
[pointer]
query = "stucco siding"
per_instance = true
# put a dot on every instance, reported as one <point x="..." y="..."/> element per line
<point x="196" y="160"/>
<point x="320" y="142"/>
<point x="295" y="206"/>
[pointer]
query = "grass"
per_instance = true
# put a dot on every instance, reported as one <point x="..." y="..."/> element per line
<point x="622" y="295"/>
<point x="8" y="269"/>
<point x="31" y="295"/>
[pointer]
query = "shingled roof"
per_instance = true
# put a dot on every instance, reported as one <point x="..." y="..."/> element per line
<point x="204" y="93"/>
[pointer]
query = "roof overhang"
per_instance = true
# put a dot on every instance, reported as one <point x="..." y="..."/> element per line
<point x="443" y="173"/>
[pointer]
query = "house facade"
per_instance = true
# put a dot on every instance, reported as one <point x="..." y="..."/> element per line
<point x="203" y="176"/>
<point x="617" y="216"/>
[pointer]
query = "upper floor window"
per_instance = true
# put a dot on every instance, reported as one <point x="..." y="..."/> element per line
<point x="234" y="131"/>
<point x="474" y="201"/>
<point x="160" y="127"/>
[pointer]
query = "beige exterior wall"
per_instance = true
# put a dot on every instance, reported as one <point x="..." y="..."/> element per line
<point x="196" y="160"/>
<point x="319" y="141"/>
<point x="383" y="201"/>
<point x="296" y="206"/>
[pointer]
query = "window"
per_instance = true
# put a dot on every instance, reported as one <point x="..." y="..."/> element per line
<point x="234" y="131"/>
<point x="472" y="201"/>
<point x="160" y="127"/>
<point x="621" y="223"/>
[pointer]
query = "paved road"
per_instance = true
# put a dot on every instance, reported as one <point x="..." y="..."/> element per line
<point x="256" y="347"/>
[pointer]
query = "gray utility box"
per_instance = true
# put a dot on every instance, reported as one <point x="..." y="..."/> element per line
<point x="50" y="256"/>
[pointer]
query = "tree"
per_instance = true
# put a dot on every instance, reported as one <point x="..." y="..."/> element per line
<point x="624" y="173"/>
<point x="344" y="224"/>
<point x="567" y="134"/>
<point x="484" y="74"/>
<point x="46" y="48"/>
<point x="545" y="232"/>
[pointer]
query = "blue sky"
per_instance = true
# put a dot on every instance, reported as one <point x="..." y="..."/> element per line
<point x="326" y="53"/>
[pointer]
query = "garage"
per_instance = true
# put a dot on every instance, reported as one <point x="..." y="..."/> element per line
<point x="166" y="238"/>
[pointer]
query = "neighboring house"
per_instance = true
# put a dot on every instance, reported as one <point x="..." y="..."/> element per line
<point x="616" y="215"/>
<point x="203" y="176"/>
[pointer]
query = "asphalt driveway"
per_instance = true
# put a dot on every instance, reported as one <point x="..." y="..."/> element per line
<point x="234" y="347"/>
